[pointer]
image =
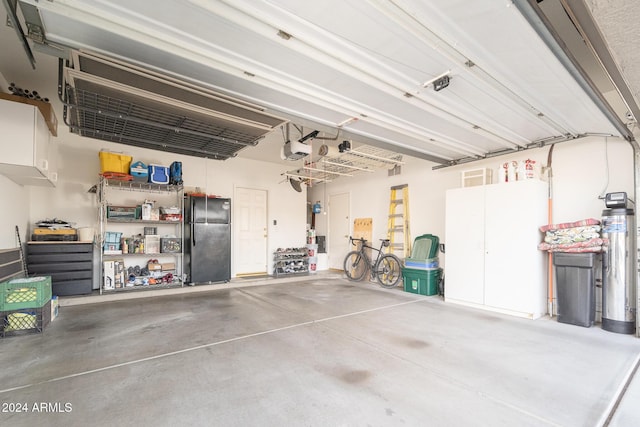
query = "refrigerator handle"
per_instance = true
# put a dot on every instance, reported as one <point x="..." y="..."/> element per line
<point x="193" y="234"/>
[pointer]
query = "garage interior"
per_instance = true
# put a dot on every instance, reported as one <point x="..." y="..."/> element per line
<point x="319" y="110"/>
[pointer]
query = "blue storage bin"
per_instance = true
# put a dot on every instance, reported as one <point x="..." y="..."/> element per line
<point x="112" y="241"/>
<point x="158" y="174"/>
<point x="421" y="264"/>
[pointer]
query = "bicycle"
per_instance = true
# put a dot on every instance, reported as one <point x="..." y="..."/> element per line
<point x="386" y="268"/>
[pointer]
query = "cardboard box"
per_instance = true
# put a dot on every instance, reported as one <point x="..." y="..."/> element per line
<point x="154" y="266"/>
<point x="114" y="277"/>
<point x="58" y="231"/>
<point x="45" y="108"/>
<point x="167" y="266"/>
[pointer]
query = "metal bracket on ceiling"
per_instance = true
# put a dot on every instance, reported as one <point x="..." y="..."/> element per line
<point x="12" y="17"/>
<point x="35" y="32"/>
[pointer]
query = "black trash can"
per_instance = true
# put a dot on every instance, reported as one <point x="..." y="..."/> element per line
<point x="575" y="286"/>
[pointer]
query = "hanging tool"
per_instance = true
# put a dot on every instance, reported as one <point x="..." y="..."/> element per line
<point x="550" y="221"/>
<point x="399" y="221"/>
<point x="22" y="257"/>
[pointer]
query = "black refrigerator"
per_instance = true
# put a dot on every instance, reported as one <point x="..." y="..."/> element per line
<point x="207" y="237"/>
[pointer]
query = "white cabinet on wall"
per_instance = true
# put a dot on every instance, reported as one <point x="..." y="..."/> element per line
<point x="26" y="145"/>
<point x="492" y="260"/>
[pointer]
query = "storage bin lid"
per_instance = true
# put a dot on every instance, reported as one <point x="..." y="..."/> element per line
<point x="565" y="259"/>
<point x="425" y="247"/>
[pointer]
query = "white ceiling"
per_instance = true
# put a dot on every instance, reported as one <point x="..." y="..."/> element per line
<point x="355" y="67"/>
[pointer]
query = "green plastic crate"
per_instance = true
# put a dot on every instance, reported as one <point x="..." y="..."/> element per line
<point x="30" y="292"/>
<point x="419" y="281"/>
<point x="25" y="321"/>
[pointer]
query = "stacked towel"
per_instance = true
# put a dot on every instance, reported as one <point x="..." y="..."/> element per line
<point x="578" y="236"/>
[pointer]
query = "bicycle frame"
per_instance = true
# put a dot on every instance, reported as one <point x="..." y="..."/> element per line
<point x="371" y="263"/>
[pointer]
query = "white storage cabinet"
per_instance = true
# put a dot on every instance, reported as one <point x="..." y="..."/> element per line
<point x="26" y="145"/>
<point x="492" y="260"/>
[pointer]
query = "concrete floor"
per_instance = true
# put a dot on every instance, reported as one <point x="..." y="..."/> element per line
<point x="318" y="351"/>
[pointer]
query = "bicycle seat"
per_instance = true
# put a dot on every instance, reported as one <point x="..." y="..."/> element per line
<point x="385" y="242"/>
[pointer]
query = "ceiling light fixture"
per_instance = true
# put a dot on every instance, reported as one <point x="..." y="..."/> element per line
<point x="441" y="83"/>
<point x="435" y="79"/>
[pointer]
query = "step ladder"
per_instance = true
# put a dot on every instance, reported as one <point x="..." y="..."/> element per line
<point x="398" y="226"/>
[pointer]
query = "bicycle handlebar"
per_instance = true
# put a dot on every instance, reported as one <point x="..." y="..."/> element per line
<point x="361" y="239"/>
<point x="385" y="242"/>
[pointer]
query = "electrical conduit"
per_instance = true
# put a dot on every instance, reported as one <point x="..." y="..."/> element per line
<point x="550" y="221"/>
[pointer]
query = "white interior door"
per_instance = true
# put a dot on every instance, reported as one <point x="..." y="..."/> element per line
<point x="339" y="229"/>
<point x="250" y="218"/>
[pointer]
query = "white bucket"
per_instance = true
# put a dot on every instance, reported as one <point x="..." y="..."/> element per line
<point x="313" y="265"/>
<point x="86" y="234"/>
<point x="312" y="249"/>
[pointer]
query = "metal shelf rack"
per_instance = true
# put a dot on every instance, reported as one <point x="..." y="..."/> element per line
<point x="105" y="186"/>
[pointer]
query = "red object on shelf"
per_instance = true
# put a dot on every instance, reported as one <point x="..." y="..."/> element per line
<point x="118" y="176"/>
<point x="210" y="196"/>
<point x="171" y="217"/>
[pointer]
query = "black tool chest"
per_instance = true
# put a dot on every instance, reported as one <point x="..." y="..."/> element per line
<point x="70" y="265"/>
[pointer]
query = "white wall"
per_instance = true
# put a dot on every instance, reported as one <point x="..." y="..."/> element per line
<point x="14" y="211"/>
<point x="78" y="171"/>
<point x="582" y="170"/>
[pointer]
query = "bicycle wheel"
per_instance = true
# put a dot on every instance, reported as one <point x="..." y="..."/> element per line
<point x="355" y="266"/>
<point x="388" y="271"/>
